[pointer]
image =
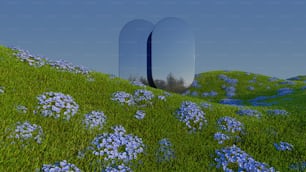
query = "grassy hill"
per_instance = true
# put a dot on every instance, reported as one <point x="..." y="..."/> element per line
<point x="45" y="93"/>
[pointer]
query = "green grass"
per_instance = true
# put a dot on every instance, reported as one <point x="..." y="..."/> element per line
<point x="194" y="152"/>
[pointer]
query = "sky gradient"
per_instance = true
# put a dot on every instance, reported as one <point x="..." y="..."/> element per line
<point x="262" y="36"/>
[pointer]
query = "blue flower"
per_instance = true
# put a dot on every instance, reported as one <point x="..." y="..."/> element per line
<point x="287" y="82"/>
<point x="284" y="91"/>
<point x="94" y="119"/>
<point x="249" y="112"/>
<point x="62" y="166"/>
<point x="1" y="90"/>
<point x="283" y="146"/>
<point x="195" y="84"/>
<point x="32" y="60"/>
<point x="165" y="151"/>
<point x="140" y="114"/>
<point x="230" y="91"/>
<point x="234" y="155"/>
<point x="143" y="96"/>
<point x="235" y="102"/>
<point x="117" y="146"/>
<point x="161" y="97"/>
<point x="252" y="81"/>
<point x="194" y="93"/>
<point x="301" y="166"/>
<point x="117" y="168"/>
<point x="220" y="137"/>
<point x="251" y="88"/>
<point x="210" y="94"/>
<point x="55" y="105"/>
<point x="123" y="97"/>
<point x="206" y="105"/>
<point x="27" y="131"/>
<point x="21" y="109"/>
<point x="277" y="112"/>
<point x="228" y="79"/>
<point x="67" y="66"/>
<point x="230" y="124"/>
<point x="137" y="83"/>
<point x="191" y="115"/>
<point x="38" y="61"/>
<point x="273" y="79"/>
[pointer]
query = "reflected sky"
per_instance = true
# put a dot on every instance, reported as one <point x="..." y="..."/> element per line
<point x="173" y="50"/>
<point x="133" y="49"/>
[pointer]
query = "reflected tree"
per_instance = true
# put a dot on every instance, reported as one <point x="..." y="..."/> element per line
<point x="171" y="84"/>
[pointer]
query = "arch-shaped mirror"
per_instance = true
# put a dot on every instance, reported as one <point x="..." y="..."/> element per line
<point x="172" y="55"/>
<point x="133" y="50"/>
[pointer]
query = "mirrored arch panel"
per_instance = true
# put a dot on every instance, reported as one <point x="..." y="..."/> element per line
<point x="133" y="50"/>
<point x="172" y="55"/>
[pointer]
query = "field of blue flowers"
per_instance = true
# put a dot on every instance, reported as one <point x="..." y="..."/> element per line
<point x="56" y="116"/>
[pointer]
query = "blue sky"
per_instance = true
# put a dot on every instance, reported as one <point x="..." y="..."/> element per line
<point x="260" y="36"/>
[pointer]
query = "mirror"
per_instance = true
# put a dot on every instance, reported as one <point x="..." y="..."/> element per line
<point x="133" y="50"/>
<point x="172" y="55"/>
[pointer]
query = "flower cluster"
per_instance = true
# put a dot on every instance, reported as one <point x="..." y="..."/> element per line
<point x="249" y="112"/>
<point x="257" y="101"/>
<point x="251" y="88"/>
<point x="117" y="145"/>
<point x="228" y="79"/>
<point x="38" y="61"/>
<point x="32" y="60"/>
<point x="253" y="80"/>
<point x="195" y="84"/>
<point x="67" y="66"/>
<point x="1" y="90"/>
<point x="273" y="79"/>
<point x="60" y="167"/>
<point x="165" y="152"/>
<point x="230" y="91"/>
<point x="194" y="93"/>
<point x="283" y="146"/>
<point x="143" y="96"/>
<point x="210" y="94"/>
<point x="300" y="166"/>
<point x="234" y="155"/>
<point x="235" y="102"/>
<point x="137" y="83"/>
<point x="284" y="91"/>
<point x="27" y="131"/>
<point x="303" y="88"/>
<point x="206" y="105"/>
<point x="94" y="119"/>
<point x="140" y="114"/>
<point x="229" y="124"/>
<point x="55" y="104"/>
<point x="277" y="112"/>
<point x="191" y="115"/>
<point x="123" y="97"/>
<point x="287" y="82"/>
<point x="140" y="97"/>
<point x="22" y="109"/>
<point x="220" y="137"/>
<point x="161" y="97"/>
<point x="117" y="168"/>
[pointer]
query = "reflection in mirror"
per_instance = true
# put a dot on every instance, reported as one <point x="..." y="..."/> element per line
<point x="133" y="50"/>
<point x="172" y="55"/>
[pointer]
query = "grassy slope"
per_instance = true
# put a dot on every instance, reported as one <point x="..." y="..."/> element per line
<point x="194" y="152"/>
